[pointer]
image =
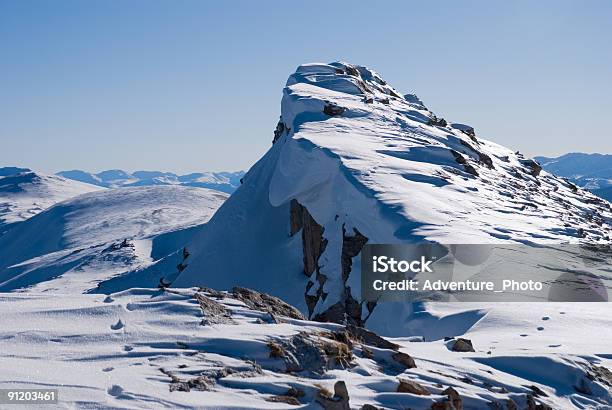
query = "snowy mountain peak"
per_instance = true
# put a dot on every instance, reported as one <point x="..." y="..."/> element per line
<point x="355" y="162"/>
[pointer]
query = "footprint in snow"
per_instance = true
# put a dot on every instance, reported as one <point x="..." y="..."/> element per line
<point x="524" y="335"/>
<point x="117" y="326"/>
<point x="554" y="345"/>
<point x="128" y="348"/>
<point x="116" y="390"/>
<point x="108" y="369"/>
<point x="108" y="299"/>
<point x="546" y="318"/>
<point x="540" y="328"/>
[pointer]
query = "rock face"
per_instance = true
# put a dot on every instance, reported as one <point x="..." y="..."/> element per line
<point x="266" y="303"/>
<point x="339" y="401"/>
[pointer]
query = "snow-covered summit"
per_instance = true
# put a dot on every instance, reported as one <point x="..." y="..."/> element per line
<point x="355" y="162"/>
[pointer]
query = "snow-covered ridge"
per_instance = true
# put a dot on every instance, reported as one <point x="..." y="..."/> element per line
<point x="355" y="162"/>
<point x="25" y="193"/>
<point x="77" y="243"/>
<point x="222" y="181"/>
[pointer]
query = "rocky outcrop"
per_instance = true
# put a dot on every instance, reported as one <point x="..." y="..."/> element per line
<point x="313" y="243"/>
<point x="410" y="386"/>
<point x="467" y="166"/>
<point x="452" y="402"/>
<point x="280" y="129"/>
<point x="438" y="122"/>
<point x="311" y="353"/>
<point x="266" y="303"/>
<point x="348" y="309"/>
<point x="462" y="345"/>
<point x="339" y="400"/>
<point x="214" y="312"/>
<point x="533" y="167"/>
<point x="333" y="110"/>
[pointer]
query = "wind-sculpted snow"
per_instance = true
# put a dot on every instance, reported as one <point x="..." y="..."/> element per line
<point x="149" y="349"/>
<point x="80" y="242"/>
<point x="370" y="165"/>
<point x="25" y="193"/>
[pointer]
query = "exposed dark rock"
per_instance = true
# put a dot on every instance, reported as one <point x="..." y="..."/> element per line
<point x="202" y="383"/>
<point x="284" y="399"/>
<point x="117" y="246"/>
<point x="212" y="293"/>
<point x="534" y="167"/>
<point x="385" y="101"/>
<point x="438" y="122"/>
<point x="266" y="303"/>
<point x="294" y="392"/>
<point x="462" y="345"/>
<point x="394" y="94"/>
<point x="410" y="386"/>
<point x="347" y="310"/>
<point x="453" y="401"/>
<point x="296" y="217"/>
<point x="351" y="247"/>
<point x="533" y="405"/>
<point x="482" y="157"/>
<point x="339" y="401"/>
<point x="442" y="405"/>
<point x="278" y="132"/>
<point x="600" y="374"/>
<point x="276" y="351"/>
<point x="454" y="398"/>
<point x="352" y="71"/>
<point x="333" y="110"/>
<point x="313" y="243"/>
<point x="404" y="359"/>
<point x="537" y="392"/>
<point x="370" y="338"/>
<point x="311" y="353"/>
<point x="214" y="312"/>
<point x="461" y="160"/>
<point x="370" y="407"/>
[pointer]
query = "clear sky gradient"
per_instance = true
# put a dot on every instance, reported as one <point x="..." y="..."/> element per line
<point x="196" y="85"/>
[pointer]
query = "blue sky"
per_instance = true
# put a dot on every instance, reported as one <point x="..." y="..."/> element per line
<point x="196" y="85"/>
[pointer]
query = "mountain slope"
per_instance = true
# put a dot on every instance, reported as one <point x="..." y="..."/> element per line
<point x="77" y="243"/>
<point x="221" y="181"/>
<point x="24" y="193"/>
<point x="353" y="162"/>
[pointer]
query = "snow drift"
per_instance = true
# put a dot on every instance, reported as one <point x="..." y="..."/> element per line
<point x="80" y="242"/>
<point x="354" y="162"/>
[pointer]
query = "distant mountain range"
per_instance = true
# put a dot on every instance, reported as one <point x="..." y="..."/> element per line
<point x="115" y="178"/>
<point x="588" y="171"/>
